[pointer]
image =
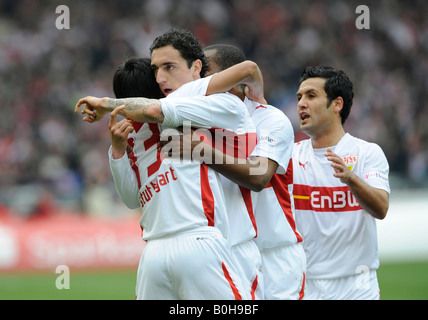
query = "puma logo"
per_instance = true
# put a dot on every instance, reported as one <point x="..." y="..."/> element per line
<point x="303" y="164"/>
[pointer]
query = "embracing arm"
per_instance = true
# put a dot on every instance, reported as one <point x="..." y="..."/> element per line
<point x="246" y="73"/>
<point x="253" y="174"/>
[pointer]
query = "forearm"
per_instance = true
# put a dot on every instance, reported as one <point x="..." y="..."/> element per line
<point x="117" y="153"/>
<point x="238" y="174"/>
<point x="253" y="174"/>
<point x="245" y="73"/>
<point x="124" y="180"/>
<point x="138" y="109"/>
<point x="374" y="201"/>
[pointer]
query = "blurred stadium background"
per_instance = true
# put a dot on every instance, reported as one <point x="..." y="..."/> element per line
<point x="58" y="204"/>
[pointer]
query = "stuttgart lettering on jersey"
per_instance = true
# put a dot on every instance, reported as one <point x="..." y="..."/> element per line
<point x="155" y="187"/>
<point x="324" y="199"/>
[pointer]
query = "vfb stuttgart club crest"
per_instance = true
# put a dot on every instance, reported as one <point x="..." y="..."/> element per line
<point x="351" y="161"/>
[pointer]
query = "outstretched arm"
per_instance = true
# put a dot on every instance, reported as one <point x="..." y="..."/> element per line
<point x="137" y="109"/>
<point x="150" y="110"/>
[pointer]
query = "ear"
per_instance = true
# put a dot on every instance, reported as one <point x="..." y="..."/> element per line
<point x="337" y="104"/>
<point x="196" y="68"/>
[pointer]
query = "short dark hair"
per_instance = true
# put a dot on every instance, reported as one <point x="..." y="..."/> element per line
<point x="337" y="84"/>
<point x="135" y="78"/>
<point x="226" y="55"/>
<point x="186" y="43"/>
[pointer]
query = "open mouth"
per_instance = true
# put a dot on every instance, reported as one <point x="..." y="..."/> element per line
<point x="304" y="116"/>
<point x="167" y="91"/>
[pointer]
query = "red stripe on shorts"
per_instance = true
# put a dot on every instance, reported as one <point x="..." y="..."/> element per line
<point x="302" y="291"/>
<point x="232" y="285"/>
<point x="253" y="288"/>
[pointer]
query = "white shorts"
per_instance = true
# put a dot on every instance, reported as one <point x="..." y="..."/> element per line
<point x="362" y="286"/>
<point x="284" y="269"/>
<point x="193" y="265"/>
<point x="249" y="262"/>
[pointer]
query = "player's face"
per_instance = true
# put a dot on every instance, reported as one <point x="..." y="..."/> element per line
<point x="314" y="114"/>
<point x="171" y="69"/>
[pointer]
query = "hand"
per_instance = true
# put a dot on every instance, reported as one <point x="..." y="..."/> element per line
<point x="341" y="170"/>
<point x="119" y="132"/>
<point x="95" y="108"/>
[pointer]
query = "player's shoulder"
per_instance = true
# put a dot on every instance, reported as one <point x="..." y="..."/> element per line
<point x="300" y="148"/>
<point x="269" y="111"/>
<point x="302" y="143"/>
<point x="364" y="145"/>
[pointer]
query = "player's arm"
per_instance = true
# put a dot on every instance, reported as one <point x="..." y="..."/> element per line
<point x="375" y="201"/>
<point x="246" y="73"/>
<point x="266" y="159"/>
<point x="125" y="181"/>
<point x="150" y="110"/>
<point x="119" y="132"/>
<point x="137" y="109"/>
<point x="124" y="178"/>
<point x="254" y="173"/>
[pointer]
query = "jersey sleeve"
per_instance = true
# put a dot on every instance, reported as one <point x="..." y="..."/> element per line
<point x="376" y="168"/>
<point x="275" y="139"/>
<point x="194" y="88"/>
<point x="124" y="180"/>
<point x="214" y="111"/>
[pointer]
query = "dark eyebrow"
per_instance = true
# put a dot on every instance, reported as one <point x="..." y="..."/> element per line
<point x="165" y="64"/>
<point x="307" y="91"/>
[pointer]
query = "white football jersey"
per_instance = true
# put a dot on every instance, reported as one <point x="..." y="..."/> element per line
<point x="339" y="237"/>
<point x="274" y="207"/>
<point x="177" y="196"/>
<point x="240" y="209"/>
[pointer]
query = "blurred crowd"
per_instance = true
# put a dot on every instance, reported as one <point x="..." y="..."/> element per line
<point x="51" y="160"/>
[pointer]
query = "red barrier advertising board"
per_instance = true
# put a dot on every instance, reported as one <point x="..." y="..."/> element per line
<point x="73" y="240"/>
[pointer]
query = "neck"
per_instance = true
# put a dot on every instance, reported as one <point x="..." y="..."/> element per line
<point x="327" y="140"/>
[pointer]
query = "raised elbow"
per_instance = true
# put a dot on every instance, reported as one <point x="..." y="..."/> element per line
<point x="256" y="188"/>
<point x="251" y="66"/>
<point x="257" y="183"/>
<point x="384" y="206"/>
<point x="380" y="211"/>
<point x="381" y="214"/>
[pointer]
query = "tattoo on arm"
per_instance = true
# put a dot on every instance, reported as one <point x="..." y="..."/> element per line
<point x="137" y="108"/>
